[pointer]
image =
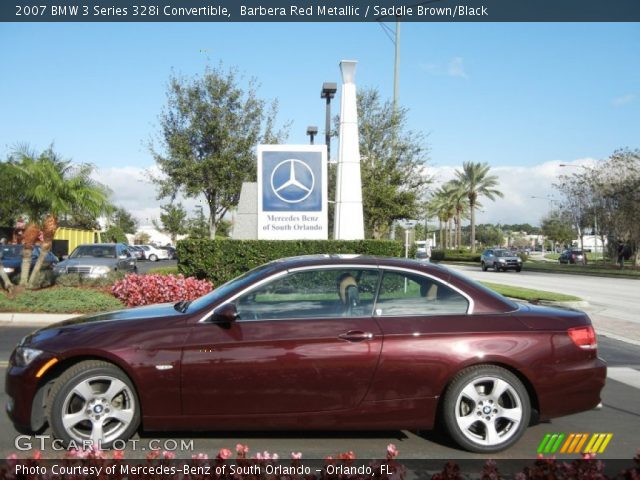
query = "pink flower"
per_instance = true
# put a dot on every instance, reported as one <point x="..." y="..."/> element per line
<point x="37" y="455"/>
<point x="118" y="454"/>
<point x="12" y="456"/>
<point x="242" y="450"/>
<point x="224" y="454"/>
<point x="392" y="451"/>
<point x="168" y="455"/>
<point x="200" y="456"/>
<point x="296" y="455"/>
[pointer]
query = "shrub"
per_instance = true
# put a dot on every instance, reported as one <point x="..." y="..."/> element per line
<point x="164" y="270"/>
<point x="79" y="280"/>
<point x="135" y="290"/>
<point x="454" y="256"/>
<point x="221" y="260"/>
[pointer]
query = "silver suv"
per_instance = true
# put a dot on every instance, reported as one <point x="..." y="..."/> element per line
<point x="500" y="259"/>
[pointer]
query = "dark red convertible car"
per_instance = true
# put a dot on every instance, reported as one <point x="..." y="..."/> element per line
<point x="317" y="342"/>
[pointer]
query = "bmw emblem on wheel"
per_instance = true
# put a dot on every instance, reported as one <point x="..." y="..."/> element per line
<point x="292" y="181"/>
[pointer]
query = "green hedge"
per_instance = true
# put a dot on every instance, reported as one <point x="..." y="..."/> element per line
<point x="454" y="256"/>
<point x="222" y="259"/>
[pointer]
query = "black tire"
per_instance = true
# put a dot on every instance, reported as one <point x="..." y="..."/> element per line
<point x="489" y="422"/>
<point x="484" y="267"/>
<point x="518" y="269"/>
<point x="112" y="404"/>
<point x="496" y="267"/>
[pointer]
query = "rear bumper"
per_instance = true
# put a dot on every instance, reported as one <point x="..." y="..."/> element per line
<point x="572" y="389"/>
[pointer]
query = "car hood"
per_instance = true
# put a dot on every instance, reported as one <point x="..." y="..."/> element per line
<point x="90" y="262"/>
<point x="161" y="310"/>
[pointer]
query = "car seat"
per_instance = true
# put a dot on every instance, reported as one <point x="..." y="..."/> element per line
<point x="349" y="295"/>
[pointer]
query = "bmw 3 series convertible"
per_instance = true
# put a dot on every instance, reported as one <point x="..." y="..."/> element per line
<point x="310" y="343"/>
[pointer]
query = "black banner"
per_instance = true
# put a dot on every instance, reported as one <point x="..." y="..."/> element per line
<point x="319" y="11"/>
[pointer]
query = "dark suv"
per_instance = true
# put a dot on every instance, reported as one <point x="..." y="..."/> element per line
<point x="500" y="259"/>
<point x="573" y="256"/>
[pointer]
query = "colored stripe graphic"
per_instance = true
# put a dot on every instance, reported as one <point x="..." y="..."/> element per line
<point x="574" y="442"/>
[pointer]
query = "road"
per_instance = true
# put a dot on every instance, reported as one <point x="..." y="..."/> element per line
<point x="613" y="302"/>
<point x="619" y="415"/>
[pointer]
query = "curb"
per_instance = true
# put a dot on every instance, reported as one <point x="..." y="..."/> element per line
<point x="577" y="304"/>
<point x="27" y="319"/>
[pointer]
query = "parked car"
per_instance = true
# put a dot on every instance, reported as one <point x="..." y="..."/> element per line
<point x="136" y="252"/>
<point x="171" y="252"/>
<point x="573" y="256"/>
<point x="95" y="260"/>
<point x="12" y="260"/>
<point x="314" y="342"/>
<point x="153" y="254"/>
<point x="500" y="259"/>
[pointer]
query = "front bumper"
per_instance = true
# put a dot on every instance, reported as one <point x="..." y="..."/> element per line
<point x="22" y="387"/>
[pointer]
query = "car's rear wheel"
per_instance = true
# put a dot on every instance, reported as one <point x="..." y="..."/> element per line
<point x="93" y="402"/>
<point x="518" y="269"/>
<point x="484" y="267"/>
<point x="486" y="409"/>
<point x="153" y="257"/>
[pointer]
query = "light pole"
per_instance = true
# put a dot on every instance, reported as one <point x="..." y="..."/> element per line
<point x="312" y="131"/>
<point x="328" y="91"/>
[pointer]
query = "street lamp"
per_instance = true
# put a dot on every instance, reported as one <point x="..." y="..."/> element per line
<point x="328" y="91"/>
<point x="312" y="131"/>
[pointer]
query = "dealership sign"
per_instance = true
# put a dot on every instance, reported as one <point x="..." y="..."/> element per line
<point x="292" y="192"/>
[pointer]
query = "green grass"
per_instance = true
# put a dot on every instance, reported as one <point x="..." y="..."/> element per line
<point x="164" y="270"/>
<point x="529" y="294"/>
<point x="60" y="300"/>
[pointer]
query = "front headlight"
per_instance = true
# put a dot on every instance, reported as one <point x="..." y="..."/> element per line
<point x="101" y="270"/>
<point x="9" y="270"/>
<point x="519" y="260"/>
<point x="26" y="355"/>
<point x="501" y="260"/>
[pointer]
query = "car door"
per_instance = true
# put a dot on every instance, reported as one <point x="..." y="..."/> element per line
<point x="421" y="318"/>
<point x="300" y="344"/>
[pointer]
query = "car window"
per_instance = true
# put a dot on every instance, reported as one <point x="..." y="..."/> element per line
<point x="406" y="294"/>
<point x="318" y="293"/>
<point x="96" y="251"/>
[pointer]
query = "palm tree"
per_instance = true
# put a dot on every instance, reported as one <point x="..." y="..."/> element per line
<point x="442" y="205"/>
<point x="52" y="187"/>
<point x="477" y="183"/>
<point x="458" y="198"/>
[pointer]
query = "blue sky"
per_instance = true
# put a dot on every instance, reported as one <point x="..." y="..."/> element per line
<point x="518" y="96"/>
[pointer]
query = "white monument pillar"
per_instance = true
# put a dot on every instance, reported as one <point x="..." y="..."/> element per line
<point x="348" y="219"/>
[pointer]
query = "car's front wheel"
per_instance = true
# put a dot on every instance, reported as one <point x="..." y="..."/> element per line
<point x="496" y="267"/>
<point x="484" y="267"/>
<point x="93" y="402"/>
<point x="153" y="257"/>
<point x="486" y="409"/>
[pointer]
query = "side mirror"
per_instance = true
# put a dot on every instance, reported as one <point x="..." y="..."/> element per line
<point x="226" y="314"/>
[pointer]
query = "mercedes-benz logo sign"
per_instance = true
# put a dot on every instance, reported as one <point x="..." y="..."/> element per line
<point x="298" y="180"/>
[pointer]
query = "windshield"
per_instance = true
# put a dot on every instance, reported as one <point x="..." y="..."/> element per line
<point x="503" y="253"/>
<point x="222" y="291"/>
<point x="11" y="251"/>
<point x="96" y="251"/>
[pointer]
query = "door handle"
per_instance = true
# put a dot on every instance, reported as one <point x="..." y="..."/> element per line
<point x="355" y="336"/>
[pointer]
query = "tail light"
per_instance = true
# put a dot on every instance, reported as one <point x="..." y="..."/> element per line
<point x="584" y="337"/>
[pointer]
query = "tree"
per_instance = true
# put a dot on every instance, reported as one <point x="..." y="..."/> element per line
<point x="173" y="221"/>
<point x="442" y="204"/>
<point x="142" y="238"/>
<point x="392" y="166"/>
<point x="51" y="187"/>
<point x="488" y="235"/>
<point x="208" y="133"/>
<point x="122" y="219"/>
<point x="115" y="234"/>
<point x="557" y="227"/>
<point x="478" y="183"/>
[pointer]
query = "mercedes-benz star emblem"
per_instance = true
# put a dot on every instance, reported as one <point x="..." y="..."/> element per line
<point x="292" y="181"/>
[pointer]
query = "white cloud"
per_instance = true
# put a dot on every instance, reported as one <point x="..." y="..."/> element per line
<point x="623" y="100"/>
<point x="456" y="68"/>
<point x="133" y="190"/>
